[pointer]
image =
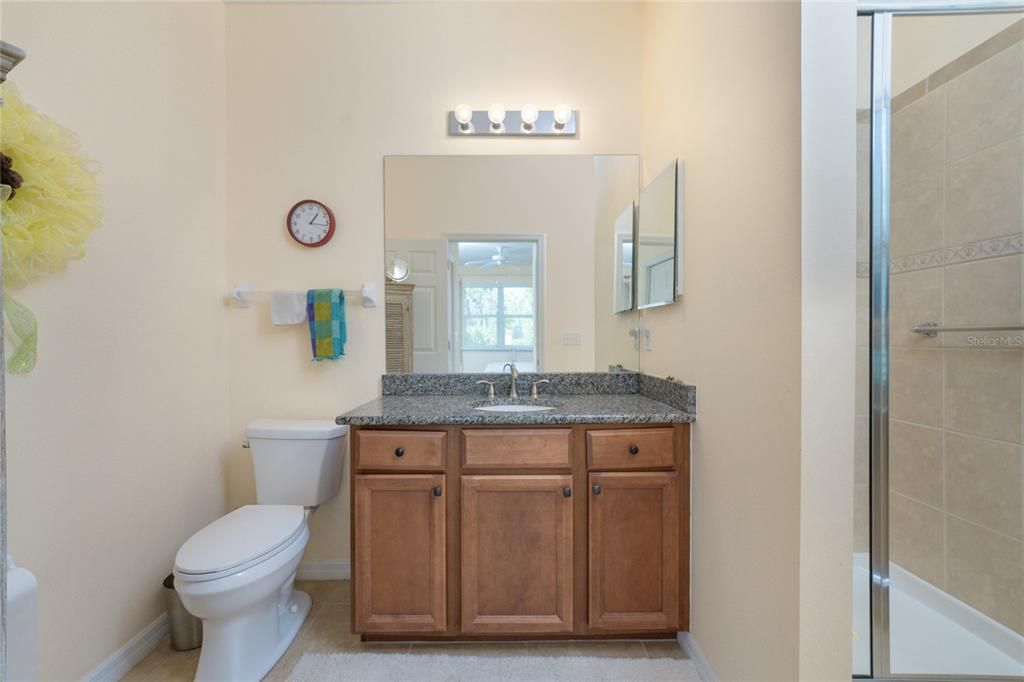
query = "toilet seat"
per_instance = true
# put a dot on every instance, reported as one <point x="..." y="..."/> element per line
<point x="239" y="540"/>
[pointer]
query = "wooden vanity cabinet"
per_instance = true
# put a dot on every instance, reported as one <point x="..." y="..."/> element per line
<point x="520" y="532"/>
<point x="399" y="558"/>
<point x="634" y="551"/>
<point x="517" y="554"/>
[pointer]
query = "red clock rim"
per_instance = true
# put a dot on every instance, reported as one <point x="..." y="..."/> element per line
<point x="330" y="220"/>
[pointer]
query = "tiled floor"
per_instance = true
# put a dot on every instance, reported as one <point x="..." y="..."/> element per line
<point x="326" y="630"/>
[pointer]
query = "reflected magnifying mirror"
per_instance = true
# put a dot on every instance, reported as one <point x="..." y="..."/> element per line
<point x="397" y="270"/>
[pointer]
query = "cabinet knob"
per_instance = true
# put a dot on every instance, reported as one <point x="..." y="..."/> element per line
<point x="437" y="491"/>
<point x="567" y="491"/>
<point x="399" y="452"/>
<point x="597" y="488"/>
<point x="633" y="449"/>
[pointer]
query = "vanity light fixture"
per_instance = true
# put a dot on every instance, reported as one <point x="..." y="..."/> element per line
<point x="529" y="115"/>
<point x="464" y="117"/>
<point x="496" y="115"/>
<point x="562" y="115"/>
<point x="561" y="121"/>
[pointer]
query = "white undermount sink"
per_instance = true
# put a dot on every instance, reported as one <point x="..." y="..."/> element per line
<point x="513" y="408"/>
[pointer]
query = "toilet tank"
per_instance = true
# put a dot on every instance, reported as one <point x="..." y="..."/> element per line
<point x="297" y="461"/>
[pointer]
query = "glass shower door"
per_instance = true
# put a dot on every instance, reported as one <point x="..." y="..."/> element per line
<point x="946" y="349"/>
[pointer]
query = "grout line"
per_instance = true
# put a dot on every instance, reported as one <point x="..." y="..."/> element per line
<point x="981" y="150"/>
<point x="958" y="433"/>
<point x="942" y="341"/>
<point x="955" y="516"/>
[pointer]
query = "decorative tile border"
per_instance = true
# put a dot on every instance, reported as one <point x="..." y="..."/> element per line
<point x="1007" y="245"/>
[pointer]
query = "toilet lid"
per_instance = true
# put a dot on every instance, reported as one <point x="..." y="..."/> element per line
<point x="238" y="538"/>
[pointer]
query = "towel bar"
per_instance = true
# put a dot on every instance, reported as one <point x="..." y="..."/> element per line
<point x="244" y="295"/>
<point x="932" y="329"/>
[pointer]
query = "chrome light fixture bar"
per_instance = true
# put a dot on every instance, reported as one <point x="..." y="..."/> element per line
<point x="496" y="121"/>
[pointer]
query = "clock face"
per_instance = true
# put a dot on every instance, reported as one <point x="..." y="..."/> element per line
<point x="310" y="223"/>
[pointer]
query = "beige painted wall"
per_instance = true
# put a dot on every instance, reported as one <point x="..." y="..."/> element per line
<point x="733" y="117"/>
<point x="364" y="81"/>
<point x="116" y="440"/>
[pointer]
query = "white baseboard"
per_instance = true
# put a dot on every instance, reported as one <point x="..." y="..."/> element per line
<point x="133" y="651"/>
<point x="139" y="646"/>
<point x="324" y="570"/>
<point x="693" y="650"/>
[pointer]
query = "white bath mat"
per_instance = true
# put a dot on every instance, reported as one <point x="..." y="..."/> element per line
<point x="439" y="668"/>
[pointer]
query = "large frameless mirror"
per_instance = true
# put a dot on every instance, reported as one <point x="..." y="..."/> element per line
<point x="521" y="259"/>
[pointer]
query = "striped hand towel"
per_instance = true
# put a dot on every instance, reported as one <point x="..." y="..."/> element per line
<point x="325" y="310"/>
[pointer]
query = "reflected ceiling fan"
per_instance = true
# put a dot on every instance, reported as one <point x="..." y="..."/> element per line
<point x="503" y="254"/>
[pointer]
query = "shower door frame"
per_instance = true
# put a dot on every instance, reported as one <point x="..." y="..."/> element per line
<point x="882" y="13"/>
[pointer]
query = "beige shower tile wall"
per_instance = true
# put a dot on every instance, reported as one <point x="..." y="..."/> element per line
<point x="956" y="455"/>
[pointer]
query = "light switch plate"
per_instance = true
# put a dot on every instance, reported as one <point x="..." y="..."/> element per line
<point x="572" y="339"/>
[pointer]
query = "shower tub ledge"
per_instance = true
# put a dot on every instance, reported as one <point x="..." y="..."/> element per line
<point x="932" y="631"/>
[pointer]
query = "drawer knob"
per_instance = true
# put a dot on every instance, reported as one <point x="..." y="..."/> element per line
<point x="633" y="449"/>
<point x="437" y="491"/>
<point x="399" y="452"/>
<point x="567" y="491"/>
<point x="597" y="488"/>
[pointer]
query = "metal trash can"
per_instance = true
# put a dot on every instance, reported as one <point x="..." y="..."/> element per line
<point x="186" y="629"/>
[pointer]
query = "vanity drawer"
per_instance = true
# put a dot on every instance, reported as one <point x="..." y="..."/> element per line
<point x="420" y="450"/>
<point x="631" y="449"/>
<point x="516" y="448"/>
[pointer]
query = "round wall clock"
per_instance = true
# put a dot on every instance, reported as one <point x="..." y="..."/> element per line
<point x="311" y="223"/>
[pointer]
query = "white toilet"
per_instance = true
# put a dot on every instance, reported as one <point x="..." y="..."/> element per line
<point x="237" y="573"/>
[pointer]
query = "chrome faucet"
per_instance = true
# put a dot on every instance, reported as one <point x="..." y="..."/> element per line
<point x="533" y="390"/>
<point x="513" y="392"/>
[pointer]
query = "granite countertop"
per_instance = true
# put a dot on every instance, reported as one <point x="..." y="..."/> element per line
<point x="413" y="408"/>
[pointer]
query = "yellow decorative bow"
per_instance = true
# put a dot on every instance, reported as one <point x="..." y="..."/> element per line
<point x="47" y="220"/>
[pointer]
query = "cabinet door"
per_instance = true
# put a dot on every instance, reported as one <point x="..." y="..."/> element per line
<point x="634" y="551"/>
<point x="399" y="569"/>
<point x="516" y="554"/>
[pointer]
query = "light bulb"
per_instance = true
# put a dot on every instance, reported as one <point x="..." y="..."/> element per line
<point x="529" y="115"/>
<point x="562" y="114"/>
<point x="463" y="114"/>
<point x="496" y="115"/>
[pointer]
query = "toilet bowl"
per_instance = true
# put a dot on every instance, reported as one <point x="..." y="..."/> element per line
<point x="237" y="574"/>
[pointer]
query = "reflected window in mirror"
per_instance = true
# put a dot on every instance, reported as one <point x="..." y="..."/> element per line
<point x="497" y="305"/>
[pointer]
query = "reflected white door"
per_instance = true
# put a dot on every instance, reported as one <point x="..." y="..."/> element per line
<point x="661" y="279"/>
<point x="428" y="270"/>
